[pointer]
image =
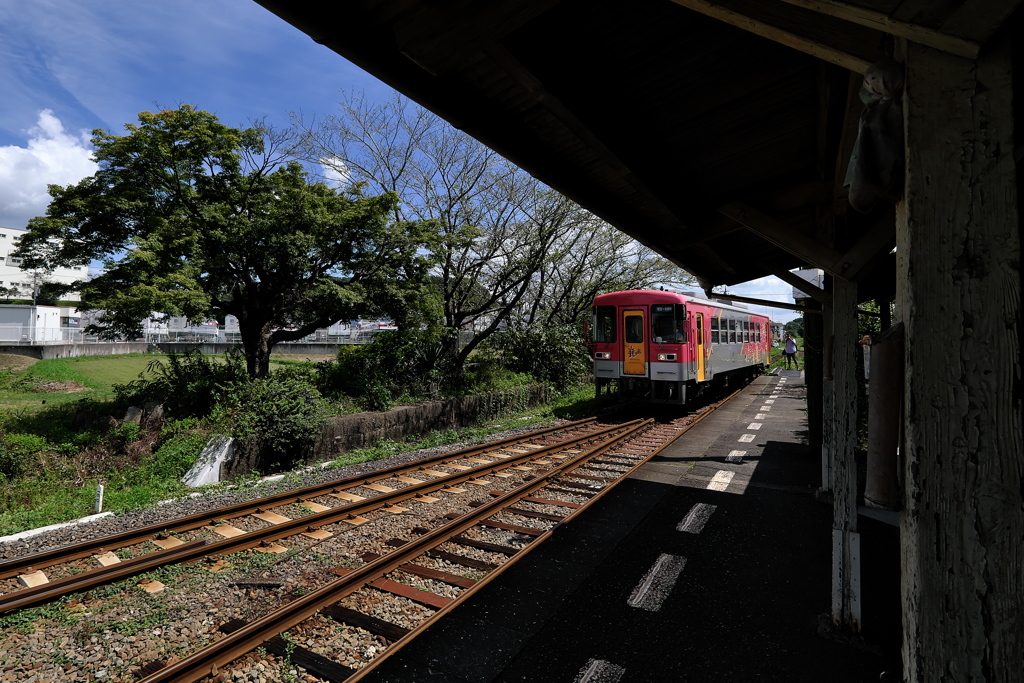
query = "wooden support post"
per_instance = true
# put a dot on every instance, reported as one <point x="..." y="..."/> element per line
<point x="846" y="561"/>
<point x="827" y="394"/>
<point x="813" y="326"/>
<point x="959" y="288"/>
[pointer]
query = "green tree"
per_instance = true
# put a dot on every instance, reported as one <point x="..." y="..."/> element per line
<point x="195" y="218"/>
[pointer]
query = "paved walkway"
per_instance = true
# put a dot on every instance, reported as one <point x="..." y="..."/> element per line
<point x="712" y="563"/>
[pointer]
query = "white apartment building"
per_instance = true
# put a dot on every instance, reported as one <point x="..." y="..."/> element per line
<point x="25" y="281"/>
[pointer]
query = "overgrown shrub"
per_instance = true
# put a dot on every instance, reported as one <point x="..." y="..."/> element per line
<point x="417" y="363"/>
<point x="555" y="354"/>
<point x="188" y="384"/>
<point x="283" y="415"/>
<point x="18" y="452"/>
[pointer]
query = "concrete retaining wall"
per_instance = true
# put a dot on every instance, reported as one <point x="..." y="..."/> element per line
<point x="348" y="432"/>
<point x="48" y="351"/>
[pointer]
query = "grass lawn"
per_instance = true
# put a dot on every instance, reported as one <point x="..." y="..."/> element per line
<point x="28" y="385"/>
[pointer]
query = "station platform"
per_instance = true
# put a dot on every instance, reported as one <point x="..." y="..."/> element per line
<point x="711" y="563"/>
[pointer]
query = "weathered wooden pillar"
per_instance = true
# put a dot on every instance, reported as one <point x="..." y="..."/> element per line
<point x="813" y="372"/>
<point x="959" y="296"/>
<point x="827" y="392"/>
<point x="846" y="610"/>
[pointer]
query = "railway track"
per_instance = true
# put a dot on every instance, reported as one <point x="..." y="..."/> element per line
<point x="423" y="537"/>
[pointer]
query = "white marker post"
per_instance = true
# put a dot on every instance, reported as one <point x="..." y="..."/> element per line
<point x="99" y="498"/>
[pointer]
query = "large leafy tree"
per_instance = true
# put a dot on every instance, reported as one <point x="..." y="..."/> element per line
<point x="195" y="218"/>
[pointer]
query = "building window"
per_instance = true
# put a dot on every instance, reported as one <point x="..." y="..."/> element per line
<point x="14" y="261"/>
<point x="76" y="268"/>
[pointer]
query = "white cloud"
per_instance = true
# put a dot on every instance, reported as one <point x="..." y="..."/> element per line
<point x="336" y="172"/>
<point x="52" y="156"/>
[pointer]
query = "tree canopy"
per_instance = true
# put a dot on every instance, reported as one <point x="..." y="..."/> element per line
<point x="512" y="251"/>
<point x="192" y="217"/>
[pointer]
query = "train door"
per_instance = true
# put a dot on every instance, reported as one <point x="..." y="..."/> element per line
<point x="699" y="337"/>
<point x="634" y="359"/>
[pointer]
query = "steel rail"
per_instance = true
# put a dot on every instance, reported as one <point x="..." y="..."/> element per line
<point x="466" y="594"/>
<point x="89" y="579"/>
<point x="209" y="659"/>
<point x="14" y="566"/>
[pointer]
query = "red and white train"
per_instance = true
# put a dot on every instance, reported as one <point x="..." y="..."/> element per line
<point x="667" y="348"/>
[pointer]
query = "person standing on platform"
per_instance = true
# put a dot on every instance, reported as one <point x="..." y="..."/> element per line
<point x="790" y="352"/>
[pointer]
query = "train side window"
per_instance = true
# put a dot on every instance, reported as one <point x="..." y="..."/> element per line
<point x="758" y="332"/>
<point x="714" y="330"/>
<point x="746" y="331"/>
<point x="604" y="324"/>
<point x="634" y="329"/>
<point x="732" y="331"/>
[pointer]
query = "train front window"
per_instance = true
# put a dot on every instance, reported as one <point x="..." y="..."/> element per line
<point x="668" y="323"/>
<point x="604" y="324"/>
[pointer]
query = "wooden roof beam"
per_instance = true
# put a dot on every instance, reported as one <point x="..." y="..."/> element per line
<point x="781" y="235"/>
<point x="832" y="39"/>
<point x="863" y="16"/>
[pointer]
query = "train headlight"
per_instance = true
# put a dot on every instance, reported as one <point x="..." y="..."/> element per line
<point x="602" y="355"/>
<point x="666" y="356"/>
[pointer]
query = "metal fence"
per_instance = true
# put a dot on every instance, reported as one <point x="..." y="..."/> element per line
<point x="14" y="334"/>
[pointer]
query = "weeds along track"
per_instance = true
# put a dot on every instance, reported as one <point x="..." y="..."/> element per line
<point x="329" y="579"/>
<point x="210" y="533"/>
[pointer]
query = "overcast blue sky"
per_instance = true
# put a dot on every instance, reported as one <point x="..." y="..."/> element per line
<point x="69" y="66"/>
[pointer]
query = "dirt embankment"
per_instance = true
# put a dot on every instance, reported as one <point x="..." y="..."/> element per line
<point x="12" y="362"/>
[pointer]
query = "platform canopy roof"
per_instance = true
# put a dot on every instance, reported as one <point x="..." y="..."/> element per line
<point x="717" y="133"/>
